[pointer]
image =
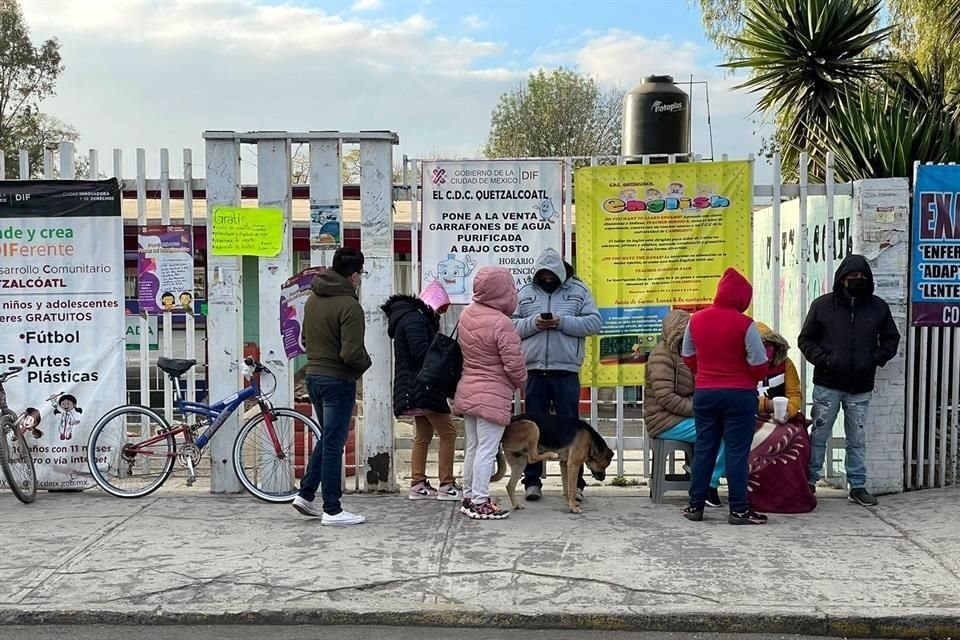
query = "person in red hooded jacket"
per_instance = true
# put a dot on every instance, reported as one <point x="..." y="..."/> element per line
<point x="723" y="348"/>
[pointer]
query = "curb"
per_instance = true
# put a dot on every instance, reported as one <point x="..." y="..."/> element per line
<point x="932" y="626"/>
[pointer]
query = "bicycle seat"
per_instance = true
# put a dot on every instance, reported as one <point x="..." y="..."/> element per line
<point x="174" y="366"/>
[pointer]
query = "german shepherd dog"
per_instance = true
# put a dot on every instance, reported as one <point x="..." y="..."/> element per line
<point x="532" y="438"/>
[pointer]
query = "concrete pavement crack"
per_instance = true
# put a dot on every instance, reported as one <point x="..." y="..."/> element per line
<point x="84" y="546"/>
<point x="447" y="529"/>
<point x="915" y="540"/>
<point x="230" y="579"/>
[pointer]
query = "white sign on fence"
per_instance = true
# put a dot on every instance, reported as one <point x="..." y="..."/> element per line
<point x="61" y="295"/>
<point x="488" y="213"/>
<point x="133" y="332"/>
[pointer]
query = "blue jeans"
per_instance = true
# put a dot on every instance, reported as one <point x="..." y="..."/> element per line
<point x="562" y="394"/>
<point x="724" y="417"/>
<point x="826" y="407"/>
<point x="333" y="400"/>
<point x="686" y="431"/>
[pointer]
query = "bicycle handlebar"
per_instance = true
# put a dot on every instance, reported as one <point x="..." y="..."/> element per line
<point x="256" y="366"/>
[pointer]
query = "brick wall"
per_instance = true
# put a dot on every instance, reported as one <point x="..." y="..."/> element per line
<point x="881" y="233"/>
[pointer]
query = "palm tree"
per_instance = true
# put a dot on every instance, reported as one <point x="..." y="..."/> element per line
<point x="828" y="91"/>
<point x="882" y="132"/>
<point x="806" y="56"/>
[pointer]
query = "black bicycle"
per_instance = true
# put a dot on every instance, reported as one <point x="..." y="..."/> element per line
<point x="15" y="458"/>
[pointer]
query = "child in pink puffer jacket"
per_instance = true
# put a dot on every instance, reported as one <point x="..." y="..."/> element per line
<point x="493" y="369"/>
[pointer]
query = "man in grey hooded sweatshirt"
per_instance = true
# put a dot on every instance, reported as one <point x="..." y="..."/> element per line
<point x="554" y="315"/>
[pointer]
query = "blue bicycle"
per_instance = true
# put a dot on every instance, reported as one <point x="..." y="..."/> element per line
<point x="132" y="449"/>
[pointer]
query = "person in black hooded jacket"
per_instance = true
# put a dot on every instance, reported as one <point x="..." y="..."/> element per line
<point x="847" y="334"/>
<point x="412" y="324"/>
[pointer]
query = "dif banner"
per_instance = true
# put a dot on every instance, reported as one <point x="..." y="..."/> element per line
<point x="62" y="316"/>
<point x="479" y="213"/>
<point x="651" y="238"/>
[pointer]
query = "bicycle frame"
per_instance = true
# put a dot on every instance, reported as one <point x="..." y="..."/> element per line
<point x="217" y="414"/>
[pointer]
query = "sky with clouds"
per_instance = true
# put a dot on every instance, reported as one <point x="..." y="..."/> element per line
<point x="157" y="73"/>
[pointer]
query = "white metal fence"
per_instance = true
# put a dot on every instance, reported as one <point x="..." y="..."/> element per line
<point x="933" y="408"/>
<point x="617" y="412"/>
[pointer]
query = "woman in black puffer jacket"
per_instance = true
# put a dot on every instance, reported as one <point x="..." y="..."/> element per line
<point x="412" y="324"/>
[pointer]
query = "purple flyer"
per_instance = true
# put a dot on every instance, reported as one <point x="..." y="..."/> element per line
<point x="165" y="269"/>
<point x="293" y="295"/>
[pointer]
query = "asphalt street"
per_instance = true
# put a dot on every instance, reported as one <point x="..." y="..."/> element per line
<point x="212" y="632"/>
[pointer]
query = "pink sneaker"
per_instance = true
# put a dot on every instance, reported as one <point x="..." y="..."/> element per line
<point x="422" y="491"/>
<point x="449" y="492"/>
<point x="488" y="510"/>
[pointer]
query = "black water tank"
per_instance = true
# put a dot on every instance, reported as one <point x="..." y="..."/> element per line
<point x="656" y="118"/>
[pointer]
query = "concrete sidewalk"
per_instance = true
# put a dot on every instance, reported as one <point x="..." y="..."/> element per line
<point x="623" y="564"/>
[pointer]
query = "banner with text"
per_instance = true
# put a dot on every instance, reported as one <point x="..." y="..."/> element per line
<point x="480" y="213"/>
<point x="935" y="274"/>
<point x="651" y="238"/>
<point x="165" y="269"/>
<point x="62" y="316"/>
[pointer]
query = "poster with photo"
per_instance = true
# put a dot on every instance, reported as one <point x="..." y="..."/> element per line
<point x="325" y="226"/>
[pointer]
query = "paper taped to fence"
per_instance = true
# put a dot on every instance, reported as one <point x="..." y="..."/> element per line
<point x="246" y="231"/>
<point x="488" y="213"/>
<point x="935" y="274"/>
<point x="165" y="269"/>
<point x="62" y="316"/>
<point x="651" y="238"/>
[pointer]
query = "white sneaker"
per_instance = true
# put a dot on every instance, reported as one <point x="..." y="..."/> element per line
<point x="342" y="519"/>
<point x="306" y="507"/>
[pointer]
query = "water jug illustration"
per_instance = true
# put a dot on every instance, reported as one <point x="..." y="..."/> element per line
<point x="453" y="274"/>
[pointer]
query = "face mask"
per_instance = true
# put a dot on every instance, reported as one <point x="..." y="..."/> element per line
<point x="549" y="286"/>
<point x="858" y="288"/>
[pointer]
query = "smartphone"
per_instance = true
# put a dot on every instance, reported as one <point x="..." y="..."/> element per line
<point x="546" y="316"/>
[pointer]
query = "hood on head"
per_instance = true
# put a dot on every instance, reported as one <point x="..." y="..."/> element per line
<point x="330" y="284"/>
<point x="397" y="306"/>
<point x="674" y="326"/>
<point x="851" y="263"/>
<point x="551" y="261"/>
<point x="734" y="291"/>
<point x="780" y="345"/>
<point x="494" y="287"/>
<point x="435" y="296"/>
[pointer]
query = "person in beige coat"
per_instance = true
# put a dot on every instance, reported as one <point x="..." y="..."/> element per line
<point x="668" y="395"/>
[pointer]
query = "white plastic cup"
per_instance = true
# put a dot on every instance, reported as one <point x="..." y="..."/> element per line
<point x="780" y="409"/>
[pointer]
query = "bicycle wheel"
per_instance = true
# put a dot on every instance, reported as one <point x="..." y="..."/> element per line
<point x="131" y="452"/>
<point x="269" y="457"/>
<point x="17" y="462"/>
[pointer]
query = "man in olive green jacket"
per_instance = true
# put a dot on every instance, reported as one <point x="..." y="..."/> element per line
<point x="333" y="333"/>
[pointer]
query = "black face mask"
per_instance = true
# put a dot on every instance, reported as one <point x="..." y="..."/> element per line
<point x="550" y="286"/>
<point x="858" y="288"/>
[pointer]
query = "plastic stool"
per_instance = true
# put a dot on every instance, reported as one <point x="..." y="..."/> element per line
<point x="660" y="482"/>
